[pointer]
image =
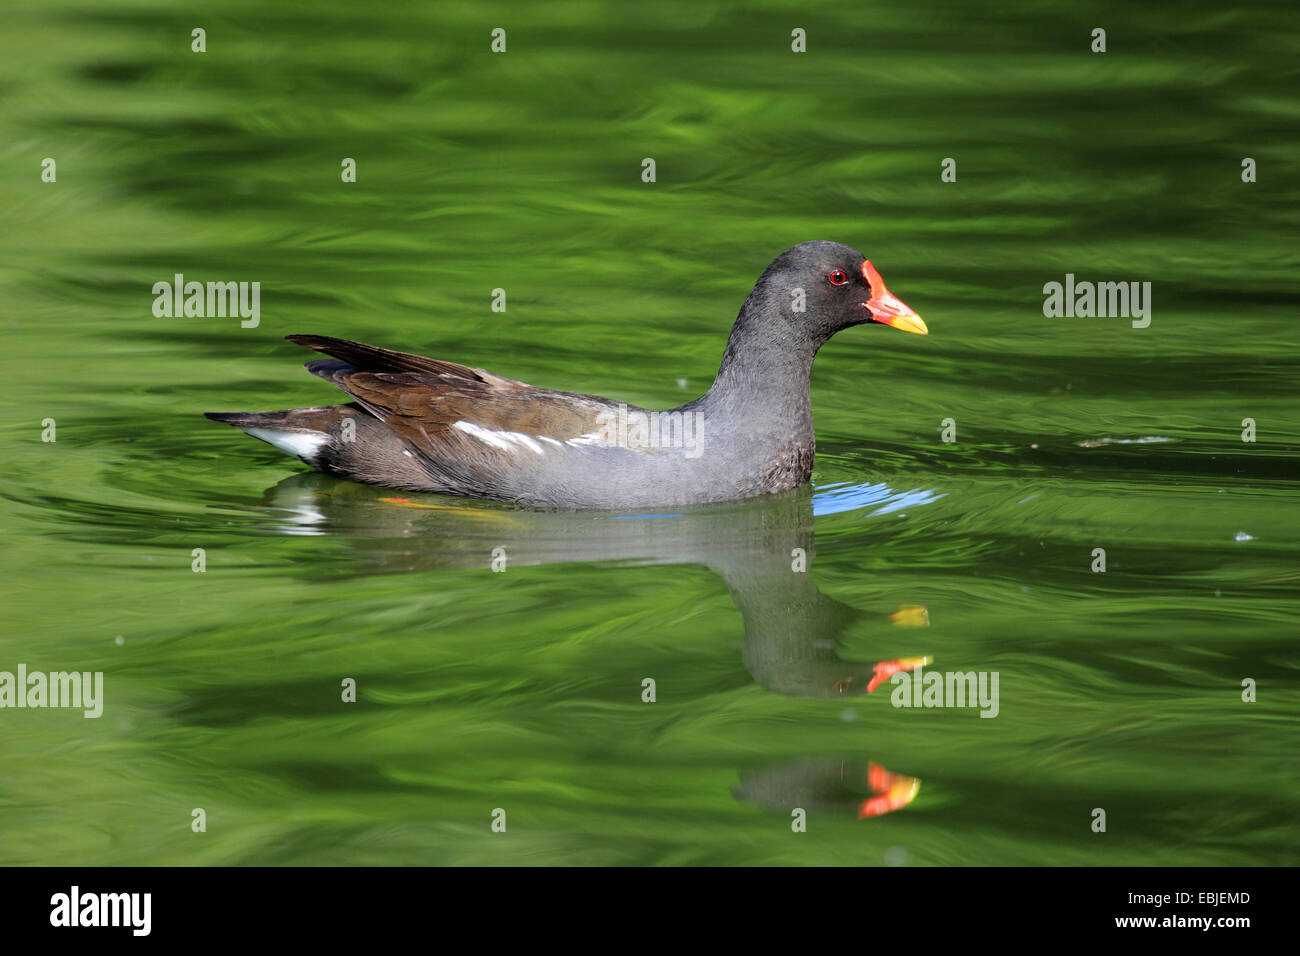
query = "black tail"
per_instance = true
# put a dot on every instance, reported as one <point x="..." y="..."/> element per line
<point x="319" y="418"/>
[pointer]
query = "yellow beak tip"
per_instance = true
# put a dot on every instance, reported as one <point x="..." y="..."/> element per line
<point x="910" y="323"/>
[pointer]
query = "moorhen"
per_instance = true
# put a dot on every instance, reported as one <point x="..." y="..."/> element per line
<point x="422" y="424"/>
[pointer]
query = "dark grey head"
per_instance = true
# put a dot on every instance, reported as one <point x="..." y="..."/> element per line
<point x="821" y="287"/>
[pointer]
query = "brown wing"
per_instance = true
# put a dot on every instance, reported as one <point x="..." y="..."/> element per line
<point x="372" y="358"/>
<point x="422" y="399"/>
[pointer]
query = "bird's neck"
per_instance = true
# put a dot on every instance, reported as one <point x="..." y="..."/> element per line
<point x="762" y="387"/>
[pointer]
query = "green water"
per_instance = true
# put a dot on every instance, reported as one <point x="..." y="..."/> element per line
<point x="522" y="690"/>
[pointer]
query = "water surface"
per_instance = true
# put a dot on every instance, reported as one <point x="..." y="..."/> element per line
<point x="523" y="690"/>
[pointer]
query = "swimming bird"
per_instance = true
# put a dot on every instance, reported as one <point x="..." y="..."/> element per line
<point x="423" y="424"/>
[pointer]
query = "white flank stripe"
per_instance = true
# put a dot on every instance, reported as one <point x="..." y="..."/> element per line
<point x="506" y="441"/>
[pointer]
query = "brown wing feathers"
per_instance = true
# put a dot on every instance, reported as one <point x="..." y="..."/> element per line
<point x="419" y="398"/>
<point x="372" y="358"/>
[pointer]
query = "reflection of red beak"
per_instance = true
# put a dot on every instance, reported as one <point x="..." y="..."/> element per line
<point x="887" y="308"/>
<point x="887" y="669"/>
<point x="893" y="791"/>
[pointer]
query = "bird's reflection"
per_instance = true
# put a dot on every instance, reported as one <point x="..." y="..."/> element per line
<point x="828" y="785"/>
<point x="763" y="549"/>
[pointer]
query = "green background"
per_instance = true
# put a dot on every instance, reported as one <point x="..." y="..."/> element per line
<point x="522" y="690"/>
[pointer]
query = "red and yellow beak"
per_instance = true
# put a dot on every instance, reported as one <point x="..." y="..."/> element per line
<point x="887" y="308"/>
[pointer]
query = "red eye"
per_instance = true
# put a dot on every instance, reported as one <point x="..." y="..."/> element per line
<point x="838" y="278"/>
